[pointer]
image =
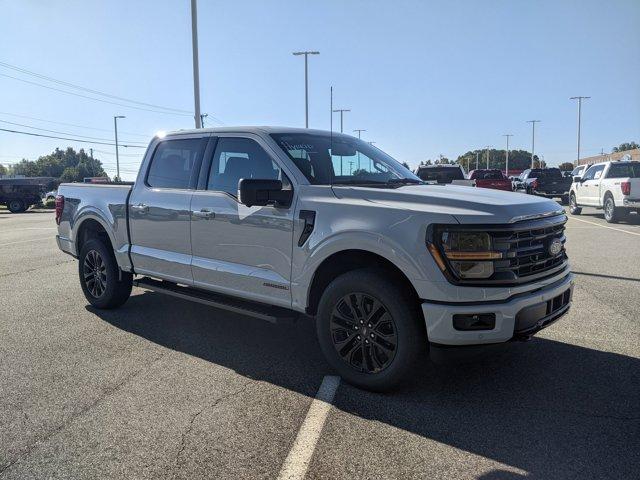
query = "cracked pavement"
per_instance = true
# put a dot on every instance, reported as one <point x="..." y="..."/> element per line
<point x="163" y="388"/>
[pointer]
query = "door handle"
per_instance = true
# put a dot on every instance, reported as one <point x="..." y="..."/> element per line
<point x="204" y="213"/>
<point x="141" y="208"/>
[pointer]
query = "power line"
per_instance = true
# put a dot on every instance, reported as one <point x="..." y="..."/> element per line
<point x="68" y="139"/>
<point x="74" y="125"/>
<point x="89" y="90"/>
<point x="56" y="131"/>
<point x="93" y="98"/>
<point x="122" y="154"/>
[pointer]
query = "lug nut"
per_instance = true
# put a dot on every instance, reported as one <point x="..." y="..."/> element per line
<point x="372" y="335"/>
<point x="369" y="325"/>
<point x="358" y="337"/>
<point x="366" y="341"/>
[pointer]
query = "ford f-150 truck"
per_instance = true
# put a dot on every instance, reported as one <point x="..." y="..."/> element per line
<point x="545" y="182"/>
<point x="278" y="222"/>
<point x="612" y="186"/>
<point x="491" y="178"/>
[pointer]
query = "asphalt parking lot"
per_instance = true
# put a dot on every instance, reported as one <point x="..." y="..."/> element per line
<point x="163" y="388"/>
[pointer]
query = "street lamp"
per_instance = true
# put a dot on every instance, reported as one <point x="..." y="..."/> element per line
<point x="487" y="148"/>
<point x="306" y="84"/>
<point x="196" y="66"/>
<point x="579" y="121"/>
<point x="341" y="110"/>
<point x="533" y="138"/>
<point x="115" y="127"/>
<point x="506" y="165"/>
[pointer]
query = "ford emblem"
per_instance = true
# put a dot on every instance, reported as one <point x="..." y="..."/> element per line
<point x="555" y="247"/>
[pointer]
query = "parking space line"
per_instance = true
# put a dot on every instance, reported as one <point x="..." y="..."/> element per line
<point x="297" y="462"/>
<point x="605" y="226"/>
<point x="26" y="241"/>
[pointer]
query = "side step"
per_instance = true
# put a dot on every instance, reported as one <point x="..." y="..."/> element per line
<point x="262" y="311"/>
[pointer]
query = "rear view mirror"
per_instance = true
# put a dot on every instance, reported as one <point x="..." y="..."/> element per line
<point x="254" y="191"/>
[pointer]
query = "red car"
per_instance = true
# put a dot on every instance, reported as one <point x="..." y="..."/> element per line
<point x="490" y="178"/>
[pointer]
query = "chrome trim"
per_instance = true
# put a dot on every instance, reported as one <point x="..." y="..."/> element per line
<point x="554" y="213"/>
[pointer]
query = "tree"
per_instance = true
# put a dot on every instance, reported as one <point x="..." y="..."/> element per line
<point x="566" y="166"/>
<point x="518" y="159"/>
<point x="65" y="165"/>
<point x="625" y="146"/>
<point x="3" y="170"/>
<point x="406" y="165"/>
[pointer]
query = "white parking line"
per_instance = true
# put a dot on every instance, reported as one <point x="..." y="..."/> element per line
<point x="605" y="226"/>
<point x="297" y="462"/>
<point x="26" y="241"/>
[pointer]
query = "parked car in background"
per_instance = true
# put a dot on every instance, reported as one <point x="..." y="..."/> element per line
<point x="579" y="170"/>
<point x="544" y="182"/>
<point x="18" y="194"/>
<point x="491" y="178"/>
<point x="51" y="195"/>
<point x="442" y="174"/>
<point x="612" y="186"/>
<point x="273" y="222"/>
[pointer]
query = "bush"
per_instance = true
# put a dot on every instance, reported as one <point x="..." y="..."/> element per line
<point x="51" y="203"/>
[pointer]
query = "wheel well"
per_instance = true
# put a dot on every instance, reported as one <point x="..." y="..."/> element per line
<point x="89" y="229"/>
<point x="346" y="261"/>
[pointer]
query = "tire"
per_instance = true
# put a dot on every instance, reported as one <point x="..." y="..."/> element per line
<point x="363" y="305"/>
<point x="16" y="206"/>
<point x="574" y="209"/>
<point x="564" y="200"/>
<point x="612" y="213"/>
<point x="104" y="285"/>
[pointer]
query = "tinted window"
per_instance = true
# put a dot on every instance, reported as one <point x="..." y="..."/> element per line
<point x="487" y="175"/>
<point x="237" y="158"/>
<point x="440" y="174"/>
<point x="623" y="170"/>
<point x="173" y="162"/>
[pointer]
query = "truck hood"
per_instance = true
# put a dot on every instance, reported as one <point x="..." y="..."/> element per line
<point x="466" y="204"/>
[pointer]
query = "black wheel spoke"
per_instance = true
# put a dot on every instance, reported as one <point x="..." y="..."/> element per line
<point x="363" y="332"/>
<point x="95" y="273"/>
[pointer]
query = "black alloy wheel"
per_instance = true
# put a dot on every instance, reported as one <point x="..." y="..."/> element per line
<point x="95" y="273"/>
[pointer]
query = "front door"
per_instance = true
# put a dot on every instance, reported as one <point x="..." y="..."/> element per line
<point x="160" y="213"/>
<point x="239" y="250"/>
<point x="589" y="189"/>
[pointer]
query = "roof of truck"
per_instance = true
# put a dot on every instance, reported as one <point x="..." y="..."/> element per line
<point x="253" y="129"/>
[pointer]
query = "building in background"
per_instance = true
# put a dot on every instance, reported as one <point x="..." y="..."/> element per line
<point x="627" y="155"/>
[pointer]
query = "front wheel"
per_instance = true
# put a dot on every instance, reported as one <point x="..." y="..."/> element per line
<point x="102" y="282"/>
<point x="370" y="330"/>
<point x="16" y="206"/>
<point x="574" y="209"/>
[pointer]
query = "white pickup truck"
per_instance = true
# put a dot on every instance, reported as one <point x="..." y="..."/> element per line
<point x="278" y="222"/>
<point x="612" y="186"/>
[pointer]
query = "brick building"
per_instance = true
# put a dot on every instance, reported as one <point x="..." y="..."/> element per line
<point x="626" y="155"/>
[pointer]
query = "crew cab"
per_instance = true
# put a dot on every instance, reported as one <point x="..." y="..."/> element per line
<point x="282" y="222"/>
<point x="544" y="182"/>
<point x="490" y="178"/>
<point x="611" y="186"/>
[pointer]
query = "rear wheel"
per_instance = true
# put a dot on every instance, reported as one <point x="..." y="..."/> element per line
<point x="102" y="282"/>
<point x="16" y="206"/>
<point x="564" y="200"/>
<point x="370" y="330"/>
<point x="612" y="213"/>
<point x="574" y="209"/>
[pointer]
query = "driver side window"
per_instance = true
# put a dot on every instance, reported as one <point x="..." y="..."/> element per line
<point x="591" y="173"/>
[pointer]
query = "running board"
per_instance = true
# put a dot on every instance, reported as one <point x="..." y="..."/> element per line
<point x="269" y="313"/>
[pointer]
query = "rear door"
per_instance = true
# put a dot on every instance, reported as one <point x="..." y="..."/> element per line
<point x="239" y="250"/>
<point x="160" y="209"/>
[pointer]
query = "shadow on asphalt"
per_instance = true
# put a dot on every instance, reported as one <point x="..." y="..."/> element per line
<point x="552" y="409"/>
<point x="630" y="220"/>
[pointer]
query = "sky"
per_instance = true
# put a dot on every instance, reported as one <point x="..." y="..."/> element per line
<point x="424" y="78"/>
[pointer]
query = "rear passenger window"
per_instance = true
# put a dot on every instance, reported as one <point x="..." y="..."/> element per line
<point x="173" y="163"/>
<point x="237" y="158"/>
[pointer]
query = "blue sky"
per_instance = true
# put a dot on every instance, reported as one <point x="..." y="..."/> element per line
<point x="422" y="77"/>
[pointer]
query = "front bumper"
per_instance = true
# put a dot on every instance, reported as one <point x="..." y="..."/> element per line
<point x="508" y="324"/>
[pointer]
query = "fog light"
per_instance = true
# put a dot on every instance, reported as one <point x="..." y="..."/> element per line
<point x="474" y="321"/>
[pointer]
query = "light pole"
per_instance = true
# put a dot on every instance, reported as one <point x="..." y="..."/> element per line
<point x="341" y="110"/>
<point x="196" y="67"/>
<point x="506" y="165"/>
<point x="487" y="148"/>
<point x="579" y="121"/>
<point x="359" y="130"/>
<point x="115" y="128"/>
<point x="306" y="84"/>
<point x="533" y="138"/>
<point x="477" y="157"/>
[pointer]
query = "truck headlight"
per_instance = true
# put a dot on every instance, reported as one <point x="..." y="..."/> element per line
<point x="468" y="255"/>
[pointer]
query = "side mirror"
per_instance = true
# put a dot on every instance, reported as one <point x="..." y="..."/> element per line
<point x="577" y="179"/>
<point x="255" y="191"/>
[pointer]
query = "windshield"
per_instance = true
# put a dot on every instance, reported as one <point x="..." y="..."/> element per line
<point x="440" y="174"/>
<point x="623" y="170"/>
<point x="546" y="173"/>
<point x="327" y="159"/>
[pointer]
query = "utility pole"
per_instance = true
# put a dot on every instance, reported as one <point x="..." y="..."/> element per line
<point x="196" y="66"/>
<point x="579" y="121"/>
<point x="487" y="148"/>
<point x="533" y="138"/>
<point x="306" y="84"/>
<point x="202" y="117"/>
<point x="506" y="165"/>
<point x="477" y="157"/>
<point x="115" y="127"/>
<point x="91" y="153"/>
<point x="359" y="130"/>
<point x="341" y="110"/>
<point x="331" y="112"/>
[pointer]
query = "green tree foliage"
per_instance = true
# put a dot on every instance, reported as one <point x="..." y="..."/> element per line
<point x="65" y="165"/>
<point x="3" y="170"/>
<point x="566" y="166"/>
<point x="625" y="146"/>
<point x="518" y="159"/>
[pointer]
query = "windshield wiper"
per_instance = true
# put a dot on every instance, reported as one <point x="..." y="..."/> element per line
<point x="405" y="181"/>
